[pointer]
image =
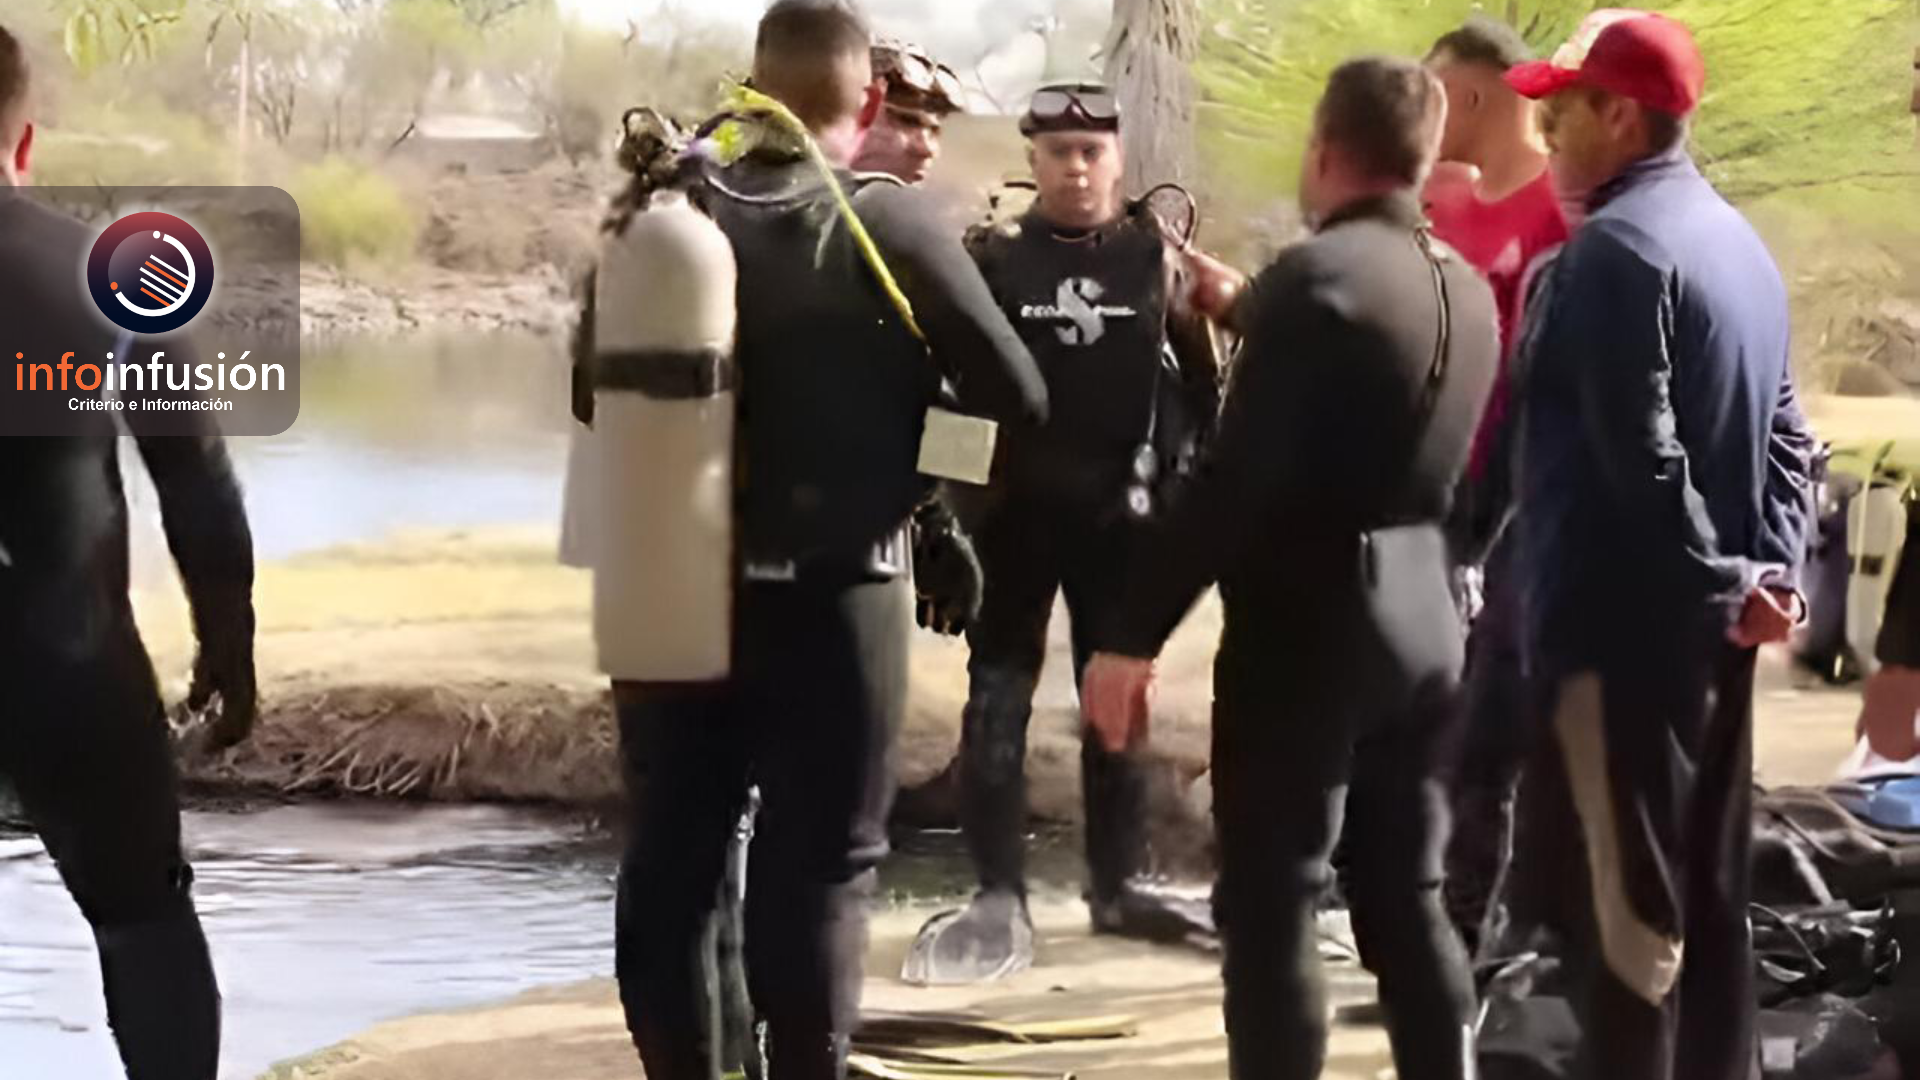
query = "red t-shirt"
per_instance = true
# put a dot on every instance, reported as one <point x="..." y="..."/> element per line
<point x="1502" y="239"/>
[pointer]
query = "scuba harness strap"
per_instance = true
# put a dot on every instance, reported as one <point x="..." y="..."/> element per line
<point x="731" y="138"/>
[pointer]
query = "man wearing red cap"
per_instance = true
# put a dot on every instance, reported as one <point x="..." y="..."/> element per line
<point x="1663" y="500"/>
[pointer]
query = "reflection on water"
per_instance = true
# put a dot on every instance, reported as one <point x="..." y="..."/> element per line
<point x="323" y="920"/>
<point x="443" y="431"/>
<point x="327" y="918"/>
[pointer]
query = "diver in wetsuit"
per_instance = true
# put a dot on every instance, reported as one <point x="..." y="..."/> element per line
<point x="1129" y="381"/>
<point x="919" y="93"/>
<point x="83" y="733"/>
<point x="833" y="393"/>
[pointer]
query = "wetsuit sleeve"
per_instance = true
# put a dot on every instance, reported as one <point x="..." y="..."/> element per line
<point x="1282" y="379"/>
<point x="1900" y="631"/>
<point x="1787" y="505"/>
<point x="1609" y="332"/>
<point x="976" y="347"/>
<point x="206" y="525"/>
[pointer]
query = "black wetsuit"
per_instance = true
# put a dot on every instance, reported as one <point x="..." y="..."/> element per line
<point x="833" y="394"/>
<point x="83" y="734"/>
<point x="1317" y="510"/>
<point x="1094" y="308"/>
<point x="1900" y="629"/>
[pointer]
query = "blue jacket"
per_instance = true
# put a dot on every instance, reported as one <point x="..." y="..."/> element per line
<point x="1663" y="459"/>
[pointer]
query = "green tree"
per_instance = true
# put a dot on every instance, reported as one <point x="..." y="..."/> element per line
<point x="1800" y="96"/>
<point x="1263" y="63"/>
<point x="243" y="21"/>
<point x="97" y="31"/>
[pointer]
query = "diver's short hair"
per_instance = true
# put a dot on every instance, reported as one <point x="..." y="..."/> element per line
<point x="1483" y="40"/>
<point x="813" y="55"/>
<point x="1385" y="113"/>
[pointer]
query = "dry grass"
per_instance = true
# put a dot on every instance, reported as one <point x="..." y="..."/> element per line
<point x="443" y="743"/>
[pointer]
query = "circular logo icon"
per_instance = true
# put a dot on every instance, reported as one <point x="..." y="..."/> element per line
<point x="150" y="272"/>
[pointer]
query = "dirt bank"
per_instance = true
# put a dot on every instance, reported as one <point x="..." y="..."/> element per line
<point x="496" y="251"/>
<point x="1172" y="996"/>
<point x="457" y="665"/>
<point x="426" y="298"/>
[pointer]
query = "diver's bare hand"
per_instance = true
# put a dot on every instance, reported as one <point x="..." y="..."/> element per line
<point x="1890" y="712"/>
<point x="1116" y="694"/>
<point x="1212" y="285"/>
<point x="223" y="672"/>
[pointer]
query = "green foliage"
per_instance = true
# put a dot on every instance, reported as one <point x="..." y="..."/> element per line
<point x="97" y="31"/>
<point x="350" y="214"/>
<point x="121" y="143"/>
<point x="351" y="76"/>
<point x="1804" y="95"/>
<point x="580" y="79"/>
<point x="1800" y="96"/>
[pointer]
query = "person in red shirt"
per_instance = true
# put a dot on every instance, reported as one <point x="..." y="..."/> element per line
<point x="1493" y="200"/>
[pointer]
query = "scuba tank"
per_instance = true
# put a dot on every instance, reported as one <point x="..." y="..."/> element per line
<point x="1884" y="474"/>
<point x="651" y="505"/>
<point x="650" y="490"/>
<point x="1876" y="532"/>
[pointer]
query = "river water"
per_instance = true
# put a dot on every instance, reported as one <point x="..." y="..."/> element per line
<point x="326" y="918"/>
<point x="323" y="919"/>
<point x="434" y="432"/>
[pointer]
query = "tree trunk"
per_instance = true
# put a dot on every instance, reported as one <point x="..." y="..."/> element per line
<point x="1150" y="51"/>
<point x="240" y="124"/>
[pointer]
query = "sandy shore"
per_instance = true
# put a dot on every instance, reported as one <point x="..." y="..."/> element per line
<point x="1172" y="996"/>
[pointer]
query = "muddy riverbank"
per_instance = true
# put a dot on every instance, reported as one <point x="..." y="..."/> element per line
<point x="456" y="665"/>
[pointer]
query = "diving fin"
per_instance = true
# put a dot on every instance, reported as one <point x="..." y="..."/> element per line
<point x="1160" y="916"/>
<point x="892" y="1032"/>
<point x="989" y="939"/>
<point x="879" y="1068"/>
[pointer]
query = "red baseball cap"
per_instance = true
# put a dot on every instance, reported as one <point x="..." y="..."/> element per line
<point x="1640" y="55"/>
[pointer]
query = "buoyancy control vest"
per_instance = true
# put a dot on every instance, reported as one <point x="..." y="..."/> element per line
<point x="1092" y="308"/>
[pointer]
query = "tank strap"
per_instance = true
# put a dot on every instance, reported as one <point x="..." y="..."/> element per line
<point x="666" y="374"/>
<point x="748" y="101"/>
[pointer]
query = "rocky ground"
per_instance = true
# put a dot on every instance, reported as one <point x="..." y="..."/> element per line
<point x="337" y="304"/>
<point x="496" y="251"/>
